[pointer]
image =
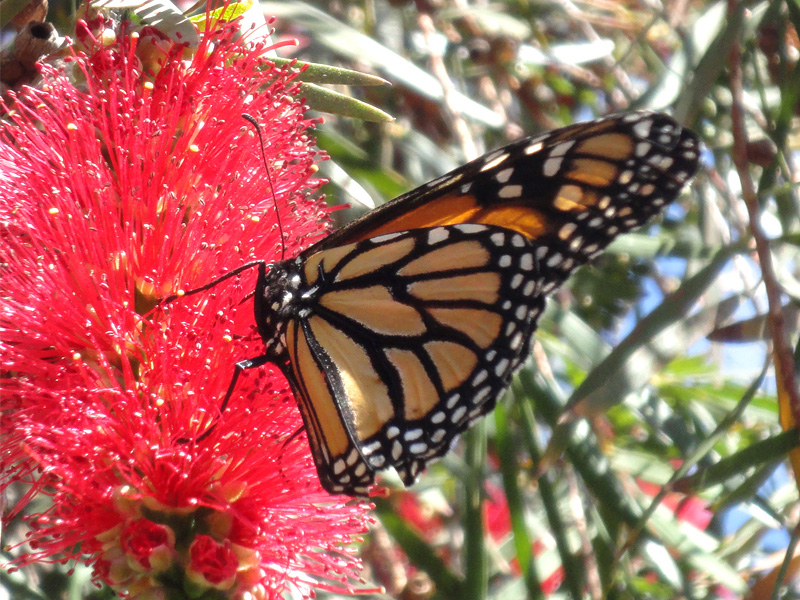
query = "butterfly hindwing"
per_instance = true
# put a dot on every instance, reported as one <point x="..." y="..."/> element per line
<point x="396" y="344"/>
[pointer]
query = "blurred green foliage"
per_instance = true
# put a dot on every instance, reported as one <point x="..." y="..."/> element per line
<point x="540" y="502"/>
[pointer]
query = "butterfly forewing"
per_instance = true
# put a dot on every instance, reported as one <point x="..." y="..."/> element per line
<point x="612" y="174"/>
<point x="401" y="329"/>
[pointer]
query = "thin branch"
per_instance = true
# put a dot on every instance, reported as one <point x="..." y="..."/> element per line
<point x="428" y="29"/>
<point x="780" y="340"/>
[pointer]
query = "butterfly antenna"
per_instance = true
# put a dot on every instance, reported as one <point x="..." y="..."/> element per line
<point x="257" y="127"/>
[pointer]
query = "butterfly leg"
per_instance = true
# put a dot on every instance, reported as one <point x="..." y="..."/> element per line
<point x="250" y="363"/>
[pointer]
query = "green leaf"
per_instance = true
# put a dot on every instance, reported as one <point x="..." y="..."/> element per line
<point x="326" y="74"/>
<point x="476" y="578"/>
<point x="767" y="451"/>
<point x="229" y="12"/>
<point x="325" y="100"/>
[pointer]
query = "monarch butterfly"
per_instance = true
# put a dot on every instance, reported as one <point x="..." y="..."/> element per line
<point x="401" y="329"/>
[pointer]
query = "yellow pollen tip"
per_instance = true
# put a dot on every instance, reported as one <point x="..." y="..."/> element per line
<point x="148" y="85"/>
<point x="72" y="127"/>
<point x="53" y="211"/>
<point x="194" y="148"/>
<point x="227" y="338"/>
<point x="108" y="37"/>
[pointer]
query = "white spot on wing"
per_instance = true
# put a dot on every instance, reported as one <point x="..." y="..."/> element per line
<point x="494" y="160"/>
<point x="533" y="148"/>
<point x="471" y="227"/>
<point x="504" y="175"/>
<point x="453" y="400"/>
<point x="418" y="448"/>
<point x="551" y="166"/>
<point x="437" y="234"/>
<point x="643" y="127"/>
<point x="562" y="148"/>
<point x="413" y="434"/>
<point x="397" y="450"/>
<point x="567" y="230"/>
<point x="386" y="237"/>
<point x="510" y="191"/>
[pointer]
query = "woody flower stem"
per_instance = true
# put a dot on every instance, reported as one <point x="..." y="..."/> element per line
<point x="127" y="176"/>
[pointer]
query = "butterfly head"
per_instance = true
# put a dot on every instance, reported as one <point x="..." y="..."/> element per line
<point x="276" y="293"/>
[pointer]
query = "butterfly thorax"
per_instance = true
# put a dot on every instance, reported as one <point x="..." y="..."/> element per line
<point x="280" y="296"/>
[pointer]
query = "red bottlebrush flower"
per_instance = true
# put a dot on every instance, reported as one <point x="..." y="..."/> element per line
<point x="116" y="192"/>
<point x="146" y="543"/>
<point x="212" y="564"/>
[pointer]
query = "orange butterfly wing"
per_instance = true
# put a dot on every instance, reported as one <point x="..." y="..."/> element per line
<point x="399" y="330"/>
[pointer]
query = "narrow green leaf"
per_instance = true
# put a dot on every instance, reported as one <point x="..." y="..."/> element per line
<point x="709" y="67"/>
<point x="506" y="449"/>
<point x="574" y="576"/>
<point x="326" y="74"/>
<point x="766" y="451"/>
<point x="476" y="576"/>
<point x="705" y="446"/>
<point x="583" y="452"/>
<point x="325" y="100"/>
<point x="780" y="578"/>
